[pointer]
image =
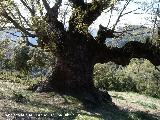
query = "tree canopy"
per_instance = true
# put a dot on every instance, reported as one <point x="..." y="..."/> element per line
<point x="40" y="19"/>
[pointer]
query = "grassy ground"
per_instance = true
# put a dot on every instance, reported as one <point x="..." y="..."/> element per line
<point x="16" y="101"/>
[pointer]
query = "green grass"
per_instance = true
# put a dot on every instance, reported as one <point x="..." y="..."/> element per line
<point x="16" y="77"/>
<point x="146" y="105"/>
<point x="118" y="97"/>
<point x="126" y="106"/>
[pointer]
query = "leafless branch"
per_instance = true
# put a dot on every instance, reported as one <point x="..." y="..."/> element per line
<point x="20" y="15"/>
<point x="30" y="9"/>
<point x="13" y="34"/>
<point x="121" y="33"/>
<point x="121" y="14"/>
<point x="78" y="2"/>
<point x="110" y="16"/>
<point x="130" y="12"/>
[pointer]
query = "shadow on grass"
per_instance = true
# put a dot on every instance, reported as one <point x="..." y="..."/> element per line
<point x="112" y="112"/>
<point x="107" y="112"/>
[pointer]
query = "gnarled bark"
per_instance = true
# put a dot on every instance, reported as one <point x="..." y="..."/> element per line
<point x="74" y="71"/>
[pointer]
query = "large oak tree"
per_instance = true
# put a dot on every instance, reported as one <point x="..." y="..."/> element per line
<point x="76" y="50"/>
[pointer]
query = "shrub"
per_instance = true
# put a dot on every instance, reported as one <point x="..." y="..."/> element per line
<point x="139" y="76"/>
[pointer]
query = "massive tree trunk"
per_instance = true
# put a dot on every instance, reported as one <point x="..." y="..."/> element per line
<point x="73" y="71"/>
<point x="74" y="67"/>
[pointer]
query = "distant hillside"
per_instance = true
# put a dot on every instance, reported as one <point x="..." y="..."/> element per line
<point x="130" y="33"/>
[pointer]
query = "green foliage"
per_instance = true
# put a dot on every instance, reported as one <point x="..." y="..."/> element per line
<point x="21" y="56"/>
<point x="16" y="77"/>
<point x="139" y="76"/>
<point x="19" y="98"/>
<point x="20" y="62"/>
<point x="118" y="97"/>
<point x="109" y="76"/>
<point x="104" y="76"/>
<point x="46" y="38"/>
<point x="6" y="51"/>
<point x="147" y="105"/>
<point x="40" y="58"/>
<point x="8" y="64"/>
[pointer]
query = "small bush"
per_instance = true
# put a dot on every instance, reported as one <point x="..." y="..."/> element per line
<point x="139" y="76"/>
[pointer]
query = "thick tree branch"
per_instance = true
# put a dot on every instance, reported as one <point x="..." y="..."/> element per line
<point x="55" y="8"/>
<point x="94" y="10"/>
<point x="104" y="33"/>
<point x="52" y="15"/>
<point x="17" y="25"/>
<point x="53" y="30"/>
<point x="133" y="49"/>
<point x="85" y="13"/>
<point x="77" y="3"/>
<point x="46" y="5"/>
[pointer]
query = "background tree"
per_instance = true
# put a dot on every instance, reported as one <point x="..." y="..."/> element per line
<point x="139" y="76"/>
<point x="6" y="51"/>
<point x="76" y="50"/>
<point x="20" y="58"/>
<point x="40" y="60"/>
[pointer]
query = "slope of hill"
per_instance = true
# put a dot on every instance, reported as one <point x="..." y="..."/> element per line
<point x="16" y="103"/>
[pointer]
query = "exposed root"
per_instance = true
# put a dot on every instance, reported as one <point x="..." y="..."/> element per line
<point x="43" y="86"/>
<point x="96" y="97"/>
